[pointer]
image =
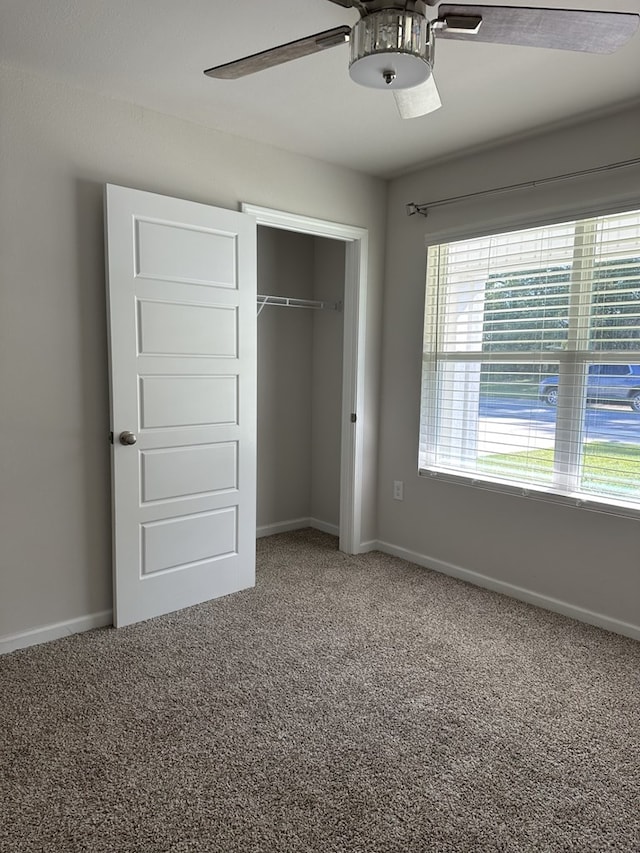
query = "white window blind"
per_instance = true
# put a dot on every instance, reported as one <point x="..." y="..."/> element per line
<point x="531" y="365"/>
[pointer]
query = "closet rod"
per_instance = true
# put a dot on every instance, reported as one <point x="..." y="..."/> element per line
<point x="292" y="302"/>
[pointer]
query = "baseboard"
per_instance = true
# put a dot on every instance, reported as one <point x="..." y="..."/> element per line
<point x="324" y="526"/>
<point x="282" y="527"/>
<point x="13" y="642"/>
<point x="47" y="633"/>
<point x="522" y="594"/>
<point x="297" y="524"/>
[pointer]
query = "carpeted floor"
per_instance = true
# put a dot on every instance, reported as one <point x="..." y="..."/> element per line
<point x="346" y="705"/>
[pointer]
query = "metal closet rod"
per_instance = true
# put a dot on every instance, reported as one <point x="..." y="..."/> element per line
<point x="292" y="302"/>
<point x="423" y="209"/>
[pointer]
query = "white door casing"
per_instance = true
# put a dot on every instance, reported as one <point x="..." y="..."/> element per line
<point x="352" y="464"/>
<point x="181" y="283"/>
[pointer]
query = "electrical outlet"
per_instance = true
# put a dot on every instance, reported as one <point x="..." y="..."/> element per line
<point x="398" y="490"/>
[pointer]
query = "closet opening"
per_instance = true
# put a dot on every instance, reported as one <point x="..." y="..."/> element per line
<point x="300" y="282"/>
<point x="311" y="367"/>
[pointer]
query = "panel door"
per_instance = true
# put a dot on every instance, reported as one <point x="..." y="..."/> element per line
<point x="181" y="281"/>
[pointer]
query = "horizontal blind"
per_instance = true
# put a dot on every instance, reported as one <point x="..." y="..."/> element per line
<point x="531" y="364"/>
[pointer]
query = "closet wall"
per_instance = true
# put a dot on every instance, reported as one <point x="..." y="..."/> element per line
<point x="326" y="382"/>
<point x="299" y="381"/>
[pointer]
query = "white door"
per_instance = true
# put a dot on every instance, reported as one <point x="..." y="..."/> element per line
<point x="182" y="314"/>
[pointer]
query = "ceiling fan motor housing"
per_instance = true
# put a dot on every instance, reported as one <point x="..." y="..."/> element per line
<point x="391" y="49"/>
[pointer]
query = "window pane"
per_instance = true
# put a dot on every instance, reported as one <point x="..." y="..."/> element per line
<point x="531" y="371"/>
<point x="507" y="292"/>
<point x="615" y="301"/>
<point x="491" y="420"/>
<point x="611" y="439"/>
<point x="527" y="310"/>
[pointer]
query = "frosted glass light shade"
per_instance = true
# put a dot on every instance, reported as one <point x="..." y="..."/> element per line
<point x="391" y="50"/>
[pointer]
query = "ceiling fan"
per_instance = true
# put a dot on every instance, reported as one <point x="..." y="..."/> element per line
<point x="392" y="45"/>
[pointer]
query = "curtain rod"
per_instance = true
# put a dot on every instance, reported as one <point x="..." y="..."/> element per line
<point x="423" y="209"/>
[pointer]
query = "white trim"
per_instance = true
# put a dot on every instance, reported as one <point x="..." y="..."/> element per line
<point x="46" y="633"/>
<point x="303" y="224"/>
<point x="577" y="500"/>
<point x="371" y="545"/>
<point x="353" y="360"/>
<point x="355" y="309"/>
<point x="297" y="524"/>
<point x="627" y="629"/>
<point x="324" y="526"/>
<point x="282" y="527"/>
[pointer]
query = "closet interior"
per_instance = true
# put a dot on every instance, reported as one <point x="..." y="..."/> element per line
<point x="300" y="346"/>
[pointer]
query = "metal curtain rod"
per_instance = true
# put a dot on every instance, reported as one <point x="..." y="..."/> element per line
<point x="423" y="209"/>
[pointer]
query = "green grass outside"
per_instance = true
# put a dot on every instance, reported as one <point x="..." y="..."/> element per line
<point x="608" y="467"/>
<point x="516" y="388"/>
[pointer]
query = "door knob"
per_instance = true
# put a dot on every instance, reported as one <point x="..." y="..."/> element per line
<point x="127" y="437"/>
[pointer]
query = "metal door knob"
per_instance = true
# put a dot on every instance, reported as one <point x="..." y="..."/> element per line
<point x="127" y="437"/>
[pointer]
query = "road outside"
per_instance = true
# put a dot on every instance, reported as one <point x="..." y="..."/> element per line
<point x="510" y="425"/>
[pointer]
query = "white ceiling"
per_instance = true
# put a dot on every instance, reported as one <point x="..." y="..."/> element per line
<point x="153" y="52"/>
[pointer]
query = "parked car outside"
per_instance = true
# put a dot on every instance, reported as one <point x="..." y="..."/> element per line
<point x="606" y="383"/>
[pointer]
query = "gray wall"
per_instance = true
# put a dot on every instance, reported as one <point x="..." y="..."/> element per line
<point x="285" y="268"/>
<point x="299" y="380"/>
<point x="586" y="559"/>
<point x="58" y="146"/>
<point x="326" y="382"/>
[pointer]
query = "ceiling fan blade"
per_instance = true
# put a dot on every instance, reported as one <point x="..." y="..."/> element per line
<point x="563" y="29"/>
<point x="419" y="100"/>
<point x="346" y="4"/>
<point x="279" y="55"/>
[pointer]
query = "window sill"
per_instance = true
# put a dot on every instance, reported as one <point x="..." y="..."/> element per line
<point x="609" y="506"/>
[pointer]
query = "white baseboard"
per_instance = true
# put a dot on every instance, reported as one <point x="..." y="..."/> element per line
<point x="282" y="527"/>
<point x="546" y="602"/>
<point x="297" y="524"/>
<point x="324" y="526"/>
<point x="13" y="642"/>
<point x="46" y="633"/>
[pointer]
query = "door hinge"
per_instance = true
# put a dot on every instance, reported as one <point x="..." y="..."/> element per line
<point x="354" y="417"/>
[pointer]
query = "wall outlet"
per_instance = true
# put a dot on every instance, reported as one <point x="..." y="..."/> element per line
<point x="398" y="490"/>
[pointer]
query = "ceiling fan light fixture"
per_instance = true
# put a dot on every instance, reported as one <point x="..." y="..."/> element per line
<point x="391" y="49"/>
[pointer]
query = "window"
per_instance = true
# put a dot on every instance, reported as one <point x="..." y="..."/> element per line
<point x="531" y="365"/>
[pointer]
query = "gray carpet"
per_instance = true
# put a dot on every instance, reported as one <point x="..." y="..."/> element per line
<point x="354" y="704"/>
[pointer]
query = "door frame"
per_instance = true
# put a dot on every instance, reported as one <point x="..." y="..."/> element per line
<point x="356" y="242"/>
